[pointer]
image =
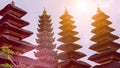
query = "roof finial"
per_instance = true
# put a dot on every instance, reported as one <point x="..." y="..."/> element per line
<point x="66" y="11"/>
<point x="98" y="7"/>
<point x="12" y="3"/>
<point x="44" y="11"/>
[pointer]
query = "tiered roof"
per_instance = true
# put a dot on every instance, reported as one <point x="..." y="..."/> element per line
<point x="45" y="54"/>
<point x="70" y="56"/>
<point x="17" y="22"/>
<point x="105" y="45"/>
<point x="11" y="32"/>
<point x="12" y="9"/>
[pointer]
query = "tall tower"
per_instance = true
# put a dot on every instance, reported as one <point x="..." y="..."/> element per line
<point x="12" y="32"/>
<point x="46" y="53"/>
<point x="107" y="55"/>
<point x="69" y="56"/>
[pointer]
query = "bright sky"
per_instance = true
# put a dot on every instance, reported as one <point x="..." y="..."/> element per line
<point x="82" y="10"/>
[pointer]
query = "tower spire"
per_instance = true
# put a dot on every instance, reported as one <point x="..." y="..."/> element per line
<point x="98" y="10"/>
<point x="66" y="11"/>
<point x="69" y="56"/>
<point x="44" y="11"/>
<point x="107" y="55"/>
<point x="12" y="3"/>
<point x="45" y="53"/>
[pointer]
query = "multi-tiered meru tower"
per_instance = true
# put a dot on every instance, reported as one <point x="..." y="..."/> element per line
<point x="46" y="54"/>
<point x="12" y="32"/>
<point x="107" y="55"/>
<point x="69" y="56"/>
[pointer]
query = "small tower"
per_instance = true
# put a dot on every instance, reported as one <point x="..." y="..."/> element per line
<point x="69" y="56"/>
<point x="105" y="46"/>
<point x="45" y="40"/>
<point x="12" y="32"/>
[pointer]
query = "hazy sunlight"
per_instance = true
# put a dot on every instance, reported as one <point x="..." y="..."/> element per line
<point x="83" y="5"/>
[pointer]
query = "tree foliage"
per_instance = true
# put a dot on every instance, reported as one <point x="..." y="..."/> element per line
<point x="7" y="53"/>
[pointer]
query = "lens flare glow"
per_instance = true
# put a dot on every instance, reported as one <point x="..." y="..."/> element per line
<point x="83" y="5"/>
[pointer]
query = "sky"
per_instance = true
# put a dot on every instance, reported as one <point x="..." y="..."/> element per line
<point x="81" y="10"/>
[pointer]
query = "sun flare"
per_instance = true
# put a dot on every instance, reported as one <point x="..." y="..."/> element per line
<point x="83" y="5"/>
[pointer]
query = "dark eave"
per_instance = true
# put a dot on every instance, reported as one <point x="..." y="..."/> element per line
<point x="76" y="64"/>
<point x="14" y="8"/>
<point x="65" y="22"/>
<point x="68" y="39"/>
<point x="69" y="46"/>
<point x="67" y="27"/>
<point x="20" y="22"/>
<point x="101" y="22"/>
<point x="68" y="32"/>
<point x="102" y="58"/>
<point x="6" y="26"/>
<point x="99" y="47"/>
<point x="23" y="59"/>
<point x="71" y="55"/>
<point x="16" y="58"/>
<point x="20" y="45"/>
<point x="104" y="36"/>
<point x="3" y="60"/>
<point x="102" y="28"/>
<point x="112" y="64"/>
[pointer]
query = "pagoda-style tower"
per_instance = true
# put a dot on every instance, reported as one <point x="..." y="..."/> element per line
<point x="107" y="55"/>
<point x="11" y="31"/>
<point x="45" y="40"/>
<point x="69" y="56"/>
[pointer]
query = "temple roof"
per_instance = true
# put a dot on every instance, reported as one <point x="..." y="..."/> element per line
<point x="67" y="27"/>
<point x="69" y="46"/>
<point x="101" y="22"/>
<point x="3" y="60"/>
<point x="20" y="46"/>
<point x="68" y="39"/>
<point x="20" y="33"/>
<point x="68" y="32"/>
<point x="112" y="64"/>
<point x="66" y="15"/>
<point x="70" y="55"/>
<point x="104" y="36"/>
<point x="102" y="28"/>
<point x="42" y="24"/>
<point x="22" y="59"/>
<point x="45" y="28"/>
<point x="74" y="63"/>
<point x="65" y="22"/>
<point x="18" y="59"/>
<point x="100" y="15"/>
<point x="12" y="9"/>
<point x="44" y="16"/>
<point x="44" y="45"/>
<point x="99" y="47"/>
<point x="105" y="57"/>
<point x="45" y="33"/>
<point x="14" y="20"/>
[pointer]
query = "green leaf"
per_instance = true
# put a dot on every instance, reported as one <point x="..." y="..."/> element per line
<point x="6" y="65"/>
<point x="6" y="52"/>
